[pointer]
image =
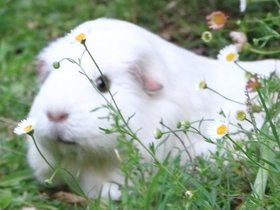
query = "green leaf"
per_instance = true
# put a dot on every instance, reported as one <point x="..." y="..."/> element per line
<point x="6" y="198"/>
<point x="15" y="178"/>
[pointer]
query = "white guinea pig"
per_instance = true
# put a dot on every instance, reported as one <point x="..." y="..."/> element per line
<point x="151" y="79"/>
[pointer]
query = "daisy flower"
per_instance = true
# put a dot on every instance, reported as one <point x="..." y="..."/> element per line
<point x="218" y="129"/>
<point x="26" y="126"/>
<point x="228" y="54"/>
<point x="243" y="4"/>
<point x="216" y="20"/>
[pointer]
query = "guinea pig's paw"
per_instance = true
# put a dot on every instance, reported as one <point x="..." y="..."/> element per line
<point x="111" y="191"/>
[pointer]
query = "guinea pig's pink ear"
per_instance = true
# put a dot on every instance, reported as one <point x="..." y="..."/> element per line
<point x="42" y="70"/>
<point x="150" y="85"/>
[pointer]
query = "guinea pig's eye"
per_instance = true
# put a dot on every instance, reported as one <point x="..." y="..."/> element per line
<point x="102" y="84"/>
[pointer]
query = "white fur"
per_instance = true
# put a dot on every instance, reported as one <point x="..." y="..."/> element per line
<point x="125" y="53"/>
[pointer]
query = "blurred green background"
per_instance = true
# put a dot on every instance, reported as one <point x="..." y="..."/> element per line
<point x="26" y="26"/>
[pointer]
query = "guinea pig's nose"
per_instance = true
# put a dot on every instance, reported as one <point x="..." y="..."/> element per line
<point x="57" y="116"/>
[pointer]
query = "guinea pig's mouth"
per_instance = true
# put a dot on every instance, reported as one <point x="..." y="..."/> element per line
<point x="63" y="141"/>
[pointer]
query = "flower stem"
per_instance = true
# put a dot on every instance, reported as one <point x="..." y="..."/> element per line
<point x="216" y="92"/>
<point x="243" y="69"/>
<point x="41" y="154"/>
<point x="49" y="180"/>
<point x="56" y="170"/>
<point x="180" y="139"/>
<point x="262" y="176"/>
<point x="244" y="152"/>
<point x="269" y="118"/>
<point x="262" y="52"/>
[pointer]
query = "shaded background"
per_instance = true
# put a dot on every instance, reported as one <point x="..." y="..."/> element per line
<point x="28" y="25"/>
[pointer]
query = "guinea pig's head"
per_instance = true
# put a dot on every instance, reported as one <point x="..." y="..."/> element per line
<point x="69" y="107"/>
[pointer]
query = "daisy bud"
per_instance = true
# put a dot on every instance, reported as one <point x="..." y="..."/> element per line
<point x="188" y="194"/>
<point x="185" y="125"/>
<point x="158" y="133"/>
<point x="81" y="37"/>
<point x="178" y="125"/>
<point x="56" y="65"/>
<point x="48" y="181"/>
<point x="202" y="85"/>
<point x="256" y="108"/>
<point x="206" y="36"/>
<point x="240" y="115"/>
<point x="238" y="22"/>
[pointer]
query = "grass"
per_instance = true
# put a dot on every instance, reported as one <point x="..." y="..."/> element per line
<point x="27" y="26"/>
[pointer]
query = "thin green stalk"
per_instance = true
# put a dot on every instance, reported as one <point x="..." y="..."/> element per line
<point x="41" y="154"/>
<point x="262" y="52"/>
<point x="78" y="185"/>
<point x="244" y="152"/>
<point x="216" y="92"/>
<point x="249" y="105"/>
<point x="95" y="63"/>
<point x="241" y="67"/>
<point x="262" y="176"/>
<point x="49" y="180"/>
<point x="55" y="170"/>
<point x="277" y="3"/>
<point x="260" y="184"/>
<point x="269" y="118"/>
<point x="228" y="136"/>
<point x="178" y="137"/>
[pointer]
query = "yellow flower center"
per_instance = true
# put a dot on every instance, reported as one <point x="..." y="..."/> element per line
<point x="222" y="130"/>
<point x="28" y="128"/>
<point x="219" y="18"/>
<point x="80" y="37"/>
<point x="230" y="56"/>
